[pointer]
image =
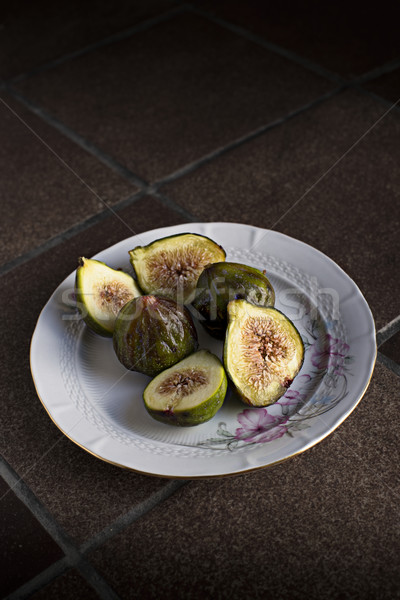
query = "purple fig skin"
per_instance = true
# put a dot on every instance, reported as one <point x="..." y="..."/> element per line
<point x="152" y="334"/>
<point x="222" y="282"/>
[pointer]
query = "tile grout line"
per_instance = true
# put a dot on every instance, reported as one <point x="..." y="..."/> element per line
<point x="40" y="581"/>
<point x="96" y="581"/>
<point x="354" y="82"/>
<point x="24" y="493"/>
<point x="388" y="363"/>
<point x="376" y="97"/>
<point x="183" y="8"/>
<point x="144" y="187"/>
<point x="74" y="556"/>
<point x="125" y="520"/>
<point x="248" y="137"/>
<point x="89" y="147"/>
<point x="383" y="69"/>
<point x="275" y="48"/>
<point x="153" y="191"/>
<point x="49" y="523"/>
<point x="121" y="523"/>
<point x="127" y="173"/>
<point x="80" y="141"/>
<point x="387" y="331"/>
<point x="107" y="41"/>
<point x="384" y="334"/>
<point x="69" y="233"/>
<point x="89" y="222"/>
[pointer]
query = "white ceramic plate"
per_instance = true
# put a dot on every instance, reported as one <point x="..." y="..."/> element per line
<point x="97" y="403"/>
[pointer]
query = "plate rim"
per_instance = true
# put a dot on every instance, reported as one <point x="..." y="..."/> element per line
<point x="311" y="443"/>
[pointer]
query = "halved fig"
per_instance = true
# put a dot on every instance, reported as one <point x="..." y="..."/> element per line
<point x="189" y="393"/>
<point x="101" y="292"/>
<point x="263" y="352"/>
<point x="171" y="266"/>
<point x="152" y="334"/>
<point x="225" y="281"/>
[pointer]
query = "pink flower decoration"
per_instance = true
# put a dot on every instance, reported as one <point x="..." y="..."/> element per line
<point x="291" y="398"/>
<point x="332" y="355"/>
<point x="259" y="426"/>
<point x="304" y="378"/>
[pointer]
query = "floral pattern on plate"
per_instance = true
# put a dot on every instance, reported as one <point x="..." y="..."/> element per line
<point x="330" y="360"/>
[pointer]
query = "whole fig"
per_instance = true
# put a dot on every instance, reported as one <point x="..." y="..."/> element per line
<point x="222" y="282"/>
<point x="152" y="334"/>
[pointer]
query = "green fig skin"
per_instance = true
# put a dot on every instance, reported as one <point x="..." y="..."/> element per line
<point x="194" y="417"/>
<point x="205" y="409"/>
<point x="223" y="282"/>
<point x="152" y="334"/>
<point x="93" y="277"/>
<point x="181" y="257"/>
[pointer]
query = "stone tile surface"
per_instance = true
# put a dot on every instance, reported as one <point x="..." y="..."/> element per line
<point x="169" y="95"/>
<point x="346" y="38"/>
<point x="21" y="536"/>
<point x="387" y="86"/>
<point x="33" y="34"/>
<point x="321" y="525"/>
<point x="304" y="179"/>
<point x="83" y="493"/>
<point x="48" y="183"/>
<point x="391" y="348"/>
<point x="68" y="585"/>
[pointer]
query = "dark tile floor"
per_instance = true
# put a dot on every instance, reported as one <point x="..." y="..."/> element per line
<point x="51" y="184"/>
<point x="278" y="533"/>
<point x="119" y="119"/>
<point x="68" y="585"/>
<point x="387" y="85"/>
<point x="391" y="348"/>
<point x="36" y="34"/>
<point x="20" y="560"/>
<point x="346" y="38"/>
<point x="264" y="177"/>
<point x="181" y="81"/>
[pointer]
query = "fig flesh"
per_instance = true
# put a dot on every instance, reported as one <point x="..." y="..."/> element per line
<point x="189" y="393"/>
<point x="152" y="334"/>
<point x="100" y="294"/>
<point x="171" y="266"/>
<point x="222" y="282"/>
<point x="263" y="352"/>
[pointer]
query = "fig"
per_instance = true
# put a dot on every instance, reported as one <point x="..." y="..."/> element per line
<point x="225" y="281"/>
<point x="100" y="294"/>
<point x="171" y="266"/>
<point x="152" y="334"/>
<point x="189" y="393"/>
<point x="263" y="352"/>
